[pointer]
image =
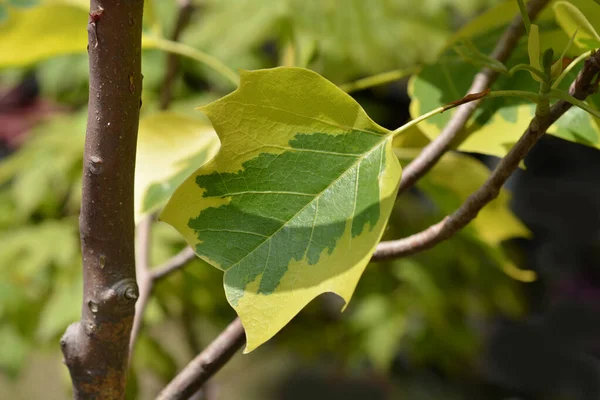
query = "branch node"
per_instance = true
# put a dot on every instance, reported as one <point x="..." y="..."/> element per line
<point x="69" y="345"/>
<point x="125" y="292"/>
<point x="95" y="166"/>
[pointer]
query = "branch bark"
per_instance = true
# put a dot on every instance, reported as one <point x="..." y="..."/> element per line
<point x="206" y="364"/>
<point x="585" y="84"/>
<point x="432" y="153"/>
<point x="96" y="348"/>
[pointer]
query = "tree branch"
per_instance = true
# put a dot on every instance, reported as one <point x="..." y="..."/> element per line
<point x="585" y="84"/>
<point x="176" y="262"/>
<point x="96" y="348"/>
<point x="206" y="364"/>
<point x="432" y="153"/>
<point x="144" y="278"/>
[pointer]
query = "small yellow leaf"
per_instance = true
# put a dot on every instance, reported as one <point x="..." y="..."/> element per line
<point x="533" y="48"/>
<point x="570" y="19"/>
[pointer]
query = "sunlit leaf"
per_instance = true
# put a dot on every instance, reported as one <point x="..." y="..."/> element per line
<point x="170" y="147"/>
<point x="54" y="27"/>
<point x="296" y="200"/>
<point x="33" y="34"/>
<point x="533" y="49"/>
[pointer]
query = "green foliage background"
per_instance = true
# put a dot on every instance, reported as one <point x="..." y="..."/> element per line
<point x="425" y="308"/>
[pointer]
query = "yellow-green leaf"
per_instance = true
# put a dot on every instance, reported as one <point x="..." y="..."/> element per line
<point x="296" y="200"/>
<point x="170" y="147"/>
<point x="571" y="19"/>
<point x="52" y="28"/>
<point x="32" y="34"/>
<point x="533" y="48"/>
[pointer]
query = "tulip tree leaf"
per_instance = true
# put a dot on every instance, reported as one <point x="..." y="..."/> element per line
<point x="498" y="123"/>
<point x="296" y="200"/>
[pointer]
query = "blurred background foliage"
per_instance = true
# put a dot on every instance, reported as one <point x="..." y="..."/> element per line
<point x="417" y="328"/>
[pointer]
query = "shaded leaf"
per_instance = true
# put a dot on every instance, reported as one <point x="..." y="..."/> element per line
<point x="451" y="181"/>
<point x="463" y="175"/>
<point x="346" y="37"/>
<point x="382" y="327"/>
<point x="471" y="53"/>
<point x="62" y="308"/>
<point x="27" y="252"/>
<point x="13" y="349"/>
<point x="42" y="171"/>
<point x="296" y="200"/>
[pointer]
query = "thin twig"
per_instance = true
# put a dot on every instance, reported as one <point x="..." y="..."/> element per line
<point x="186" y="9"/>
<point x="432" y="153"/>
<point x="584" y="85"/>
<point x="144" y="278"/>
<point x="176" y="262"/>
<point x="206" y="364"/>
